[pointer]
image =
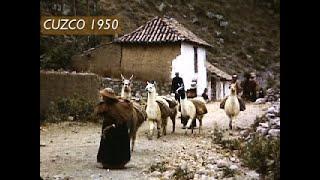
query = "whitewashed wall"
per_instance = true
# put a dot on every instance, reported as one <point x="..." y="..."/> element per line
<point x="226" y="88"/>
<point x="184" y="64"/>
<point x="222" y="89"/>
<point x="202" y="71"/>
<point x="219" y="90"/>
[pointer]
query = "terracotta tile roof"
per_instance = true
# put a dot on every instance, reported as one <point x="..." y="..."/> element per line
<point x="211" y="68"/>
<point x="161" y="30"/>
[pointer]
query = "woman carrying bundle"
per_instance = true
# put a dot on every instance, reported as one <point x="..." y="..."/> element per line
<point x="114" y="150"/>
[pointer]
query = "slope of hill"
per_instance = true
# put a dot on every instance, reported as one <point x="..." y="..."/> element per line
<point x="245" y="35"/>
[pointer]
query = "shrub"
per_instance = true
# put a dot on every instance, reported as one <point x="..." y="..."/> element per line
<point x="180" y="174"/>
<point x="271" y="82"/>
<point x="75" y="106"/>
<point x="263" y="155"/>
<point x="217" y="135"/>
<point x="57" y="58"/>
<point x="159" y="166"/>
<point x="227" y="172"/>
<point x="232" y="144"/>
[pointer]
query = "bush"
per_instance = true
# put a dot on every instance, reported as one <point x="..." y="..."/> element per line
<point x="159" y="166"/>
<point x="271" y="82"/>
<point x="180" y="174"/>
<point x="217" y="135"/>
<point x="263" y="155"/>
<point x="227" y="172"/>
<point x="57" y="58"/>
<point x="76" y="106"/>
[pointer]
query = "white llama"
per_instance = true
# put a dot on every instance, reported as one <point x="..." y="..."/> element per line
<point x="232" y="106"/>
<point x="126" y="88"/>
<point x="191" y="110"/>
<point x="158" y="111"/>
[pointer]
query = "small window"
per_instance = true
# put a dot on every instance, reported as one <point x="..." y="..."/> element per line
<point x="195" y="49"/>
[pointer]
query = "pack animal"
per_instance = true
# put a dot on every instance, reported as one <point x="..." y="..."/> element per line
<point x="139" y="113"/>
<point x="158" y="111"/>
<point x="126" y="87"/>
<point x="232" y="106"/>
<point x="191" y="110"/>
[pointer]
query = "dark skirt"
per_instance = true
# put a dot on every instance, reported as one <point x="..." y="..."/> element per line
<point x="114" y="150"/>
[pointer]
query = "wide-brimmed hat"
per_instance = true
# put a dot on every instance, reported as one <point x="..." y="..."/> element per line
<point x="108" y="93"/>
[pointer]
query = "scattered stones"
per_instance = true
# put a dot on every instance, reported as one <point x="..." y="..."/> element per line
<point x="271" y="110"/>
<point x="244" y="133"/>
<point x="222" y="163"/>
<point x="195" y="20"/>
<point x="184" y="166"/>
<point x="272" y="95"/>
<point x="221" y="40"/>
<point x="156" y="174"/>
<point x="252" y="175"/>
<point x="204" y="177"/>
<point x="190" y="7"/>
<point x="234" y="167"/>
<point x="264" y="125"/>
<point x="217" y="33"/>
<point x="168" y="174"/>
<point x="274" y="132"/>
<point x="62" y="177"/>
<point x="219" y="17"/>
<point x="263" y="131"/>
<point x="224" y="23"/>
<point x="262" y="50"/>
<point x="96" y="176"/>
<point x="233" y="159"/>
<point x="161" y="7"/>
<point x="210" y="14"/>
<point x="260" y="101"/>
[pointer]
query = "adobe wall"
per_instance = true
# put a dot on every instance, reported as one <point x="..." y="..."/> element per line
<point x="104" y="60"/>
<point x="149" y="62"/>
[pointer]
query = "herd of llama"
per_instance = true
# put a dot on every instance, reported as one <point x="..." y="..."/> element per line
<point x="158" y="110"/>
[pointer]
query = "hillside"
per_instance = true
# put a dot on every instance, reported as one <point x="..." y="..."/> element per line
<point x="245" y="33"/>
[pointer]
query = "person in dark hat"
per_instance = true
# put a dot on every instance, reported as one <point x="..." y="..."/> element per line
<point x="238" y="90"/>
<point x="205" y="94"/>
<point x="246" y="87"/>
<point x="235" y="81"/>
<point x="253" y="87"/>
<point x="177" y="82"/>
<point x="114" y="149"/>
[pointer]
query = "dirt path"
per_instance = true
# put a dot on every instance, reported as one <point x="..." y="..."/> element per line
<point x="70" y="148"/>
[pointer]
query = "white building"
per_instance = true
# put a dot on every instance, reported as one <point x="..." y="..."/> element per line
<point x="169" y="47"/>
<point x="185" y="64"/>
<point x="218" y="83"/>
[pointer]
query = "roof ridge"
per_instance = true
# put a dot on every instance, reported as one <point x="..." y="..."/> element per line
<point x="159" y="30"/>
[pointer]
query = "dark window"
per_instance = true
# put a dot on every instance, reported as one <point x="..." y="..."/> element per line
<point x="195" y="49"/>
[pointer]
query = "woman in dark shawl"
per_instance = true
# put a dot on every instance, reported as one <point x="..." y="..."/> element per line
<point x="114" y="150"/>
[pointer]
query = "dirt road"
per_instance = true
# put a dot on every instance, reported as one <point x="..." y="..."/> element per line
<point x="68" y="149"/>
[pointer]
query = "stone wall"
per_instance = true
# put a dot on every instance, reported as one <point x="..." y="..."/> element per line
<point x="137" y="85"/>
<point x="55" y="84"/>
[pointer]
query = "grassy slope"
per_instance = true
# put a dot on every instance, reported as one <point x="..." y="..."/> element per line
<point x="253" y="31"/>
